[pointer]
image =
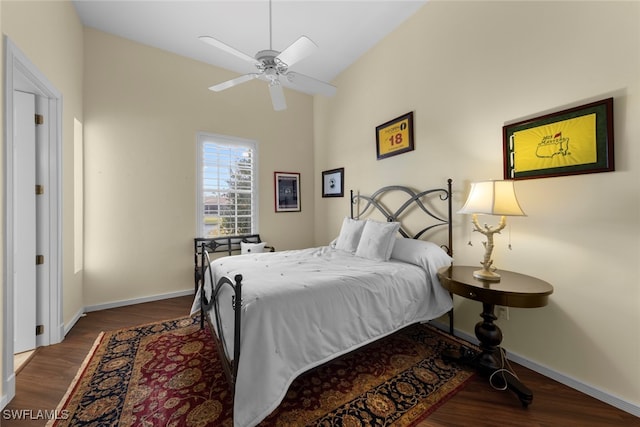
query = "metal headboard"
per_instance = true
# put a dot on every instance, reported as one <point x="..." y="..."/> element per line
<point x="373" y="203"/>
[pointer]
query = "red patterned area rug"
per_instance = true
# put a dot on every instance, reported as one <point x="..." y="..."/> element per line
<point x="168" y="374"/>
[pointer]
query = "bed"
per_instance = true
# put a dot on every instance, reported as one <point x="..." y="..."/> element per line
<point x="276" y="315"/>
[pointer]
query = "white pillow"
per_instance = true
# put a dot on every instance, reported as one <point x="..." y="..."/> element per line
<point x="377" y="240"/>
<point x="251" y="248"/>
<point x="349" y="234"/>
<point x="427" y="255"/>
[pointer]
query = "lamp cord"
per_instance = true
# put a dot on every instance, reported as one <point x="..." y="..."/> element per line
<point x="503" y="361"/>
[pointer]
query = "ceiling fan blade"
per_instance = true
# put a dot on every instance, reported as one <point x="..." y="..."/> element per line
<point x="233" y="82"/>
<point x="298" y="50"/>
<point x="226" y="48"/>
<point x="307" y="84"/>
<point x="277" y="96"/>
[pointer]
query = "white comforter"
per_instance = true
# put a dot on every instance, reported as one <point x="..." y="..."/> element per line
<point x="302" y="308"/>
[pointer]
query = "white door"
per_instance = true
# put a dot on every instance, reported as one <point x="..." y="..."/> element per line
<point x="24" y="175"/>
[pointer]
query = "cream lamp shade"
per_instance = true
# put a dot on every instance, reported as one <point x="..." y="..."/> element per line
<point x="491" y="198"/>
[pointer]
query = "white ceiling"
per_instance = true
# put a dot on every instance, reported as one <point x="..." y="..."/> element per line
<point x="342" y="29"/>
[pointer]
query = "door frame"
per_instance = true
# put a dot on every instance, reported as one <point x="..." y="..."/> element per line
<point x="22" y="74"/>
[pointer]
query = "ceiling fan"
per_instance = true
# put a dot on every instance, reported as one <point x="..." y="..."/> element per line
<point x="274" y="68"/>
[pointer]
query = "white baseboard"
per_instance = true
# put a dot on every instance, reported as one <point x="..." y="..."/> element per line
<point x="577" y="385"/>
<point x="151" y="298"/>
<point x="122" y="303"/>
<point x="80" y="313"/>
<point x="73" y="321"/>
<point x="557" y="376"/>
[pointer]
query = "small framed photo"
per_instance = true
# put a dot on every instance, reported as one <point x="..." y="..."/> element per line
<point x="287" y="191"/>
<point x="333" y="183"/>
<point x="395" y="136"/>
<point x="569" y="142"/>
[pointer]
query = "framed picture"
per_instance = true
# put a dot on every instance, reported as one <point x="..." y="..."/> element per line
<point x="333" y="183"/>
<point x="395" y="136"/>
<point x="569" y="142"/>
<point x="287" y="191"/>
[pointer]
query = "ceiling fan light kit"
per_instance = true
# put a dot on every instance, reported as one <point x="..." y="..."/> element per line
<point x="273" y="67"/>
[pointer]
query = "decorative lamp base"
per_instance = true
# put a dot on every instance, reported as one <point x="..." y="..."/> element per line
<point x="484" y="274"/>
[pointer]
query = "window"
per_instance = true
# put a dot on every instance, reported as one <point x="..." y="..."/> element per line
<point x="227" y="186"/>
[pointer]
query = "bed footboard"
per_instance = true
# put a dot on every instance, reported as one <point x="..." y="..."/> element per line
<point x="230" y="366"/>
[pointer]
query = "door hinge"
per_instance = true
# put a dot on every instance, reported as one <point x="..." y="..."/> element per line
<point x="39" y="329"/>
<point x="39" y="189"/>
<point x="39" y="259"/>
<point x="39" y="119"/>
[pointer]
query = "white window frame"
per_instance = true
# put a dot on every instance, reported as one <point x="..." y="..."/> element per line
<point x="204" y="137"/>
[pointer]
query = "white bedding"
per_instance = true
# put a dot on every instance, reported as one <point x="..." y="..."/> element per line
<point x="303" y="308"/>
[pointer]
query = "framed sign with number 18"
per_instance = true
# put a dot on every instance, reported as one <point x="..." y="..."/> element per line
<point x="395" y="136"/>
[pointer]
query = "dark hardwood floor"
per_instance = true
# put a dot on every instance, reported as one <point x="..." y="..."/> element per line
<point x="42" y="383"/>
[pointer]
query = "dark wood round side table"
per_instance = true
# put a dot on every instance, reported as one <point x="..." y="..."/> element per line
<point x="513" y="290"/>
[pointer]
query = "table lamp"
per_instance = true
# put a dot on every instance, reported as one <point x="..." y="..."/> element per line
<point x="491" y="198"/>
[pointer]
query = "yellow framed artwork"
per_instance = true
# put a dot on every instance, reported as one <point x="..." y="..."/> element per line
<point x="395" y="136"/>
<point x="575" y="141"/>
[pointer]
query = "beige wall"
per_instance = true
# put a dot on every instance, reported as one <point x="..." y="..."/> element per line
<point x="143" y="108"/>
<point x="467" y="68"/>
<point x="464" y="69"/>
<point x="50" y="35"/>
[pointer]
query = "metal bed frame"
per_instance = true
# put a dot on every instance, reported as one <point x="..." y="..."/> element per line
<point x="228" y="245"/>
<point x="423" y="200"/>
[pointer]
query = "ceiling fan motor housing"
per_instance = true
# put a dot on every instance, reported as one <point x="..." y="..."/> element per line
<point x="268" y="60"/>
